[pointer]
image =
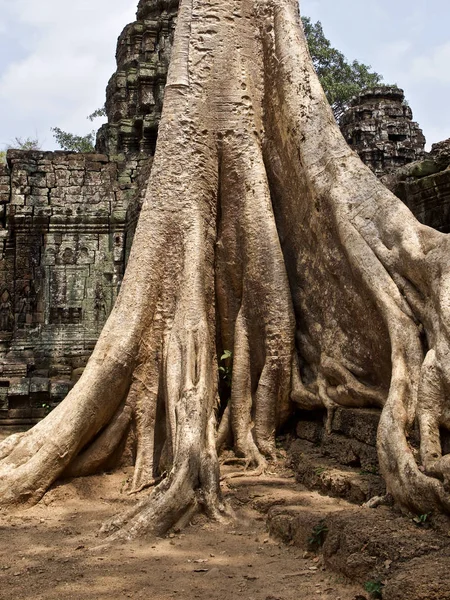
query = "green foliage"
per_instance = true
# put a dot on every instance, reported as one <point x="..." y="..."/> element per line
<point x="226" y="367"/>
<point x="375" y="588"/>
<point x="72" y="142"/>
<point x="318" y="535"/>
<point x="2" y="157"/>
<point x="78" y="143"/>
<point x="99" y="112"/>
<point x="372" y="470"/>
<point x="24" y="144"/>
<point x="340" y="79"/>
<point x="422" y="520"/>
<point x="47" y="408"/>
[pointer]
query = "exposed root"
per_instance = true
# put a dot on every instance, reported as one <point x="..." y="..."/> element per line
<point x="149" y="484"/>
<point x="261" y="233"/>
<point x="258" y="472"/>
<point x="143" y="397"/>
<point x="175" y="500"/>
<point x="235" y="461"/>
<point x="224" y="432"/>
<point x="100" y="454"/>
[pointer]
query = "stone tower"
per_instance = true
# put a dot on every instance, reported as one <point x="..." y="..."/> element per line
<point x="379" y="126"/>
<point x="134" y="99"/>
<point x="135" y="92"/>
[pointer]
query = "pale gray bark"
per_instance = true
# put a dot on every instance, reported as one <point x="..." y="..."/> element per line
<point x="264" y="234"/>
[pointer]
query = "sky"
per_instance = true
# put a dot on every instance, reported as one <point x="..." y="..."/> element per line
<point x="56" y="57"/>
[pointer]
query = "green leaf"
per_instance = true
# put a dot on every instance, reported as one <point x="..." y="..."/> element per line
<point x="25" y="144"/>
<point x="74" y="143"/>
<point x="340" y="79"/>
<point x="99" y="112"/>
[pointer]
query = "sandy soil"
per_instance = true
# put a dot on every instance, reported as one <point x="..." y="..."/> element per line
<point x="46" y="551"/>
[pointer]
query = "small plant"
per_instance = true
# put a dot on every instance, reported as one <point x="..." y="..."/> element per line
<point x="318" y="535"/>
<point x="375" y="588"/>
<point x="372" y="470"/>
<point x="47" y="408"/>
<point x="226" y="367"/>
<point x="319" y="470"/>
<point x="422" y="520"/>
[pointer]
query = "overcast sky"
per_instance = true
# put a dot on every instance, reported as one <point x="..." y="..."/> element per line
<point x="56" y="57"/>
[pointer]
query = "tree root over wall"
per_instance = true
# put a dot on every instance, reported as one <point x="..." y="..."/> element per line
<point x="262" y="233"/>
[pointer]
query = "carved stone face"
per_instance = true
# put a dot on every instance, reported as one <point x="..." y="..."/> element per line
<point x="68" y="256"/>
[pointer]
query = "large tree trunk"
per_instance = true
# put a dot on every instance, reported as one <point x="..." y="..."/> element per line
<point x="262" y="233"/>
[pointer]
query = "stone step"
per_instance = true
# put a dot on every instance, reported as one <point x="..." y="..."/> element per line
<point x="405" y="559"/>
<point x="352" y="438"/>
<point x="327" y="475"/>
<point x="305" y="524"/>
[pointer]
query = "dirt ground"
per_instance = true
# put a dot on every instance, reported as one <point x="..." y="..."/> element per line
<point x="46" y="551"/>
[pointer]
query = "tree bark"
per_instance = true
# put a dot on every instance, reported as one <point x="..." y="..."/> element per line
<point x="261" y="233"/>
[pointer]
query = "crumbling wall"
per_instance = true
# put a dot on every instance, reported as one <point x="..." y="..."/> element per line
<point x="135" y="92"/>
<point x="62" y="260"/>
<point x="424" y="186"/>
<point x="379" y="126"/>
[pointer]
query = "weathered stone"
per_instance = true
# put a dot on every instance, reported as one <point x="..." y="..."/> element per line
<point x="19" y="387"/>
<point x="58" y="287"/>
<point x="424" y="578"/>
<point x="350" y="452"/>
<point x="440" y="154"/>
<point x="360" y="424"/>
<point x="39" y="385"/>
<point x="135" y="93"/>
<point x="312" y="431"/>
<point x="316" y="470"/>
<point x="378" y="125"/>
<point x="296" y="524"/>
<point x="59" y="389"/>
<point x="429" y="199"/>
<point x="369" y="544"/>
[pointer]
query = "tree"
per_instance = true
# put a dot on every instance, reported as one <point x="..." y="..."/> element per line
<point x="263" y="234"/>
<point x="340" y="79"/>
<point x="27" y="144"/>
<point x="74" y="143"/>
<point x="78" y="143"/>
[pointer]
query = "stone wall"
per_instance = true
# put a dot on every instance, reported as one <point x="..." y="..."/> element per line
<point x="424" y="186"/>
<point x="62" y="246"/>
<point x="66" y="226"/>
<point x="429" y="199"/>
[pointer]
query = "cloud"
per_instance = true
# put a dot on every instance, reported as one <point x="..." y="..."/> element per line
<point x="432" y="66"/>
<point x="66" y="56"/>
<point x="397" y="50"/>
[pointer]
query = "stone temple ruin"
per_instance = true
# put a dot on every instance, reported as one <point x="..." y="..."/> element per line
<point x="67" y="220"/>
<point x="380" y="127"/>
